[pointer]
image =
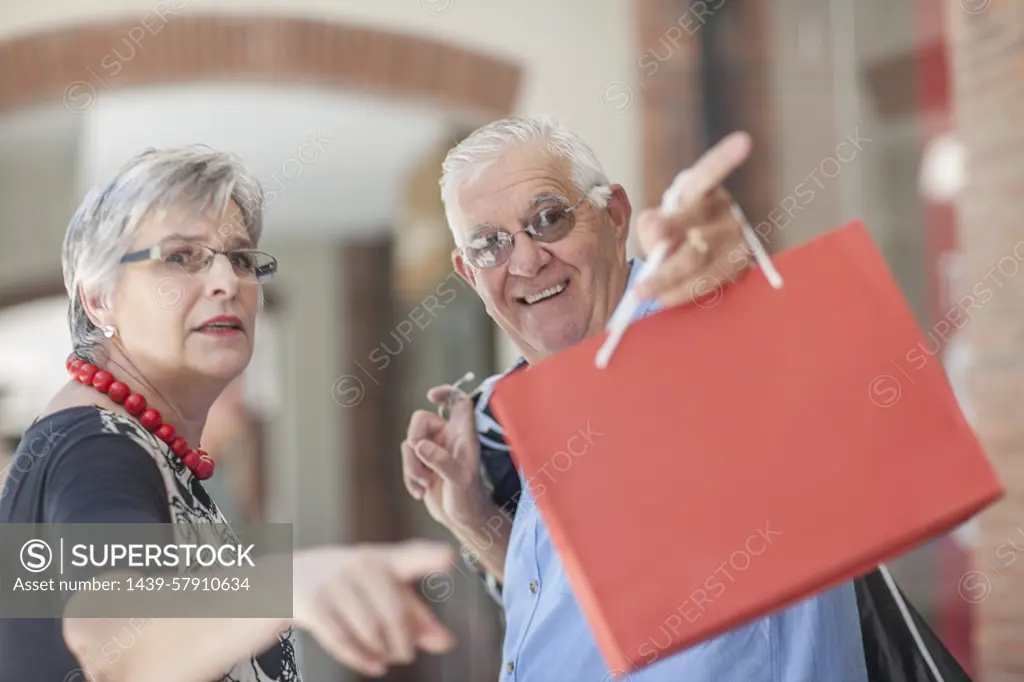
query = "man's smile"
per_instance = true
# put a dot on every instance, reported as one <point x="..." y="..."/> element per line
<point x="544" y="294"/>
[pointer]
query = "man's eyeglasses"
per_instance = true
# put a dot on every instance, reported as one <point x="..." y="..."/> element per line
<point x="550" y="224"/>
<point x="194" y="257"/>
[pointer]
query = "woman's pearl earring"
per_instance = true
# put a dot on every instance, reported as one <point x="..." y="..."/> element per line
<point x="109" y="331"/>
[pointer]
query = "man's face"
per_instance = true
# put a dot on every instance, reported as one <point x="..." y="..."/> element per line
<point x="546" y="296"/>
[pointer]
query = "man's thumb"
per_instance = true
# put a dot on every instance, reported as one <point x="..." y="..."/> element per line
<point x="414" y="559"/>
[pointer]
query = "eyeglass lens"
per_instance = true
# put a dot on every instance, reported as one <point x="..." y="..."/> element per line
<point x="194" y="257"/>
<point x="549" y="225"/>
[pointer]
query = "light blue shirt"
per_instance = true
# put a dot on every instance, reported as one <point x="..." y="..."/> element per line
<point x="547" y="638"/>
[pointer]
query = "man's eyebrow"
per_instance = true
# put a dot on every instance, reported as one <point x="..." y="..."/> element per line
<point x="482" y="227"/>
<point x="545" y="198"/>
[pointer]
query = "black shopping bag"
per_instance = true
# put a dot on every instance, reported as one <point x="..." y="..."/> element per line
<point x="898" y="644"/>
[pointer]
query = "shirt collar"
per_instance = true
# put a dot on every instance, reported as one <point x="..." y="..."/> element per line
<point x="646" y="307"/>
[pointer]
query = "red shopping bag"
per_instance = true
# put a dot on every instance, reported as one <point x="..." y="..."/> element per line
<point x="739" y="455"/>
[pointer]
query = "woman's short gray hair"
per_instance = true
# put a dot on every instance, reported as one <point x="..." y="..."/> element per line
<point x="104" y="225"/>
<point x="468" y="159"/>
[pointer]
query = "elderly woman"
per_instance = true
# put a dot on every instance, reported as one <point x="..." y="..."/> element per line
<point x="164" y="284"/>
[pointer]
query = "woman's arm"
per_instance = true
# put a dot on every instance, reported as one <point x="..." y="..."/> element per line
<point x="357" y="602"/>
<point x="175" y="650"/>
<point x="171" y="649"/>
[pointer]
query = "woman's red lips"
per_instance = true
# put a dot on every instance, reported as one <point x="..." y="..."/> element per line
<point x="222" y="323"/>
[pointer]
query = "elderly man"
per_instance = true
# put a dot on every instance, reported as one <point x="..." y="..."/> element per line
<point x="541" y="237"/>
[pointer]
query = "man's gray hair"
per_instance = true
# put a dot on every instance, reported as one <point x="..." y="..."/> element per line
<point x="104" y="226"/>
<point x="468" y="159"/>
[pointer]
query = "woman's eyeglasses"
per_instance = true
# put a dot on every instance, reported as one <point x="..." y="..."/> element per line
<point x="550" y="224"/>
<point x="194" y="257"/>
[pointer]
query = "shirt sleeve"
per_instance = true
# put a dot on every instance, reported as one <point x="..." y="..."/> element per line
<point x="105" y="478"/>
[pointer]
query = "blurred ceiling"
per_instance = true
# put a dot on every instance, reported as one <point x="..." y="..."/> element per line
<point x="331" y="163"/>
<point x="334" y="164"/>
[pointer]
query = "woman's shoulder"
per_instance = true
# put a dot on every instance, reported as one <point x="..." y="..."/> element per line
<point x="53" y="434"/>
<point x="86" y="438"/>
<point x="56" y="433"/>
<point x="83" y="462"/>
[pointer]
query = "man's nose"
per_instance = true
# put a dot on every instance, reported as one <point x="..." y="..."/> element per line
<point x="528" y="257"/>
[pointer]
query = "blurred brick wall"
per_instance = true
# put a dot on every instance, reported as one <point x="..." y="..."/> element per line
<point x="740" y="57"/>
<point x="668" y="89"/>
<point x="704" y="70"/>
<point x="78" y="63"/>
<point x="988" y="73"/>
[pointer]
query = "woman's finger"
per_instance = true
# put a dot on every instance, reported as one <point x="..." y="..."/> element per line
<point x="333" y="636"/>
<point x="430" y="634"/>
<point x="356" y="613"/>
<point x="385" y="595"/>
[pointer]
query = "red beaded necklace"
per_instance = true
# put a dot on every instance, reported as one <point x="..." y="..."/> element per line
<point x="198" y="461"/>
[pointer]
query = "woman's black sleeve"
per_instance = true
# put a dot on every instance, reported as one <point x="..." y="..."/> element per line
<point x="105" y="478"/>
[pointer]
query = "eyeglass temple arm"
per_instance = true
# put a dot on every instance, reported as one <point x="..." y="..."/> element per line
<point x="268" y="269"/>
<point x="144" y="254"/>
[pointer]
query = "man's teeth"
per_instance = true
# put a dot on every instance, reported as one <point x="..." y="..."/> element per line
<point x="547" y="293"/>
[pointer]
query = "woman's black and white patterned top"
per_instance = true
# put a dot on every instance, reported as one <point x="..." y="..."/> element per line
<point x="90" y="465"/>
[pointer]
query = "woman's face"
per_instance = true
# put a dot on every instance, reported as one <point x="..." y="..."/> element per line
<point x="184" y="320"/>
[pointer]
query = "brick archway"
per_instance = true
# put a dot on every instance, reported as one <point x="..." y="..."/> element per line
<point x="73" y="64"/>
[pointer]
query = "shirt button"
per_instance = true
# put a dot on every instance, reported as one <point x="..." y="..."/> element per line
<point x="533" y="586"/>
<point x="510" y="667"/>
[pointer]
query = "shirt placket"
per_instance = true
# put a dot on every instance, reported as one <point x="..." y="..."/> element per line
<point x="529" y="582"/>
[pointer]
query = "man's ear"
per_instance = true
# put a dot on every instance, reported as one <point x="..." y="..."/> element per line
<point x="464" y="270"/>
<point x="621" y="211"/>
